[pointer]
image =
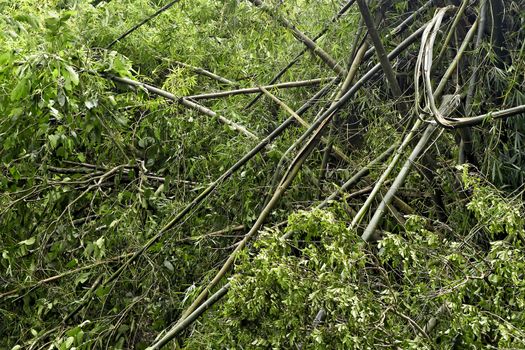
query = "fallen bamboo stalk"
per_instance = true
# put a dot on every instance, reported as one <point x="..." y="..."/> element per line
<point x="206" y="73"/>
<point x="309" y="43"/>
<point x="137" y="26"/>
<point x="447" y="107"/>
<point x="62" y="275"/>
<point x="381" y="54"/>
<point x="179" y="327"/>
<point x="479" y="39"/>
<point x="400" y="179"/>
<point x="404" y="25"/>
<point x="344" y="87"/>
<point x="185" y="102"/>
<point x="399" y="29"/>
<point x="334" y="19"/>
<point x="207" y="191"/>
<point x="361" y="213"/>
<point x="356" y="62"/>
<point x="292" y="171"/>
<point x="339" y="152"/>
<point x="455" y="61"/>
<point x="425" y="65"/>
<point x="218" y="233"/>
<point x="320" y="122"/>
<point x="358" y="176"/>
<point x="290" y="175"/>
<point x="452" y="29"/>
<point x="245" y="91"/>
<point x="370" y="229"/>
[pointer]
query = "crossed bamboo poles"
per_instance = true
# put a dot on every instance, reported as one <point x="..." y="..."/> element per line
<point x="312" y="137"/>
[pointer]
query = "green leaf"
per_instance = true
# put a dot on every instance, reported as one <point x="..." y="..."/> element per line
<point x="53" y="140"/>
<point x="91" y="103"/>
<point x="69" y="341"/>
<point x="81" y="279"/>
<point x="72" y="75"/>
<point x="102" y="291"/>
<point x="169" y="265"/>
<point x="29" y="241"/>
<point x="5" y="58"/>
<point x="21" y="89"/>
<point x="29" y="19"/>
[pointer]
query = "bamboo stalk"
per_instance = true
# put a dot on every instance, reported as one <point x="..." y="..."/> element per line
<point x="334" y="19"/>
<point x="425" y="65"/>
<point x="443" y="113"/>
<point x="381" y="53"/>
<point x="206" y="192"/>
<point x="344" y="88"/>
<point x="452" y="29"/>
<point x="185" y="102"/>
<point x="206" y="73"/>
<point x="400" y="179"/>
<point x="358" y="176"/>
<point x="428" y="37"/>
<point x="479" y="38"/>
<point x="137" y="26"/>
<point x="320" y="122"/>
<point x="179" y="327"/>
<point x="361" y="213"/>
<point x="315" y="129"/>
<point x="245" y="91"/>
<point x="356" y="62"/>
<point x="62" y="275"/>
<point x="404" y="25"/>
<point x="309" y="43"/>
<point x="301" y="121"/>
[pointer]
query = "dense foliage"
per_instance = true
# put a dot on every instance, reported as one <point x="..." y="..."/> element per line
<point x="118" y="205"/>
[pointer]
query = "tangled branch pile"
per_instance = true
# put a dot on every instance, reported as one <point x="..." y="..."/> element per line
<point x="235" y="174"/>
